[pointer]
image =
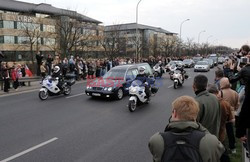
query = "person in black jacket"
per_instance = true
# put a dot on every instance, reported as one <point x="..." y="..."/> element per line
<point x="39" y="59"/>
<point x="58" y="75"/>
<point x="243" y="126"/>
<point x="144" y="80"/>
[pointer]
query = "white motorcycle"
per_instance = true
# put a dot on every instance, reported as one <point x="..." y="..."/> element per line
<point x="50" y="88"/>
<point x="138" y="95"/>
<point x="157" y="71"/>
<point x="172" y="68"/>
<point x="178" y="78"/>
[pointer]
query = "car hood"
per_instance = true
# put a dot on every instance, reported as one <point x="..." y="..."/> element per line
<point x="100" y="82"/>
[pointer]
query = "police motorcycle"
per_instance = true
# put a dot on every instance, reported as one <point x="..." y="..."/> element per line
<point x="137" y="93"/>
<point x="157" y="71"/>
<point x="172" y="68"/>
<point x="55" y="86"/>
<point x="179" y="77"/>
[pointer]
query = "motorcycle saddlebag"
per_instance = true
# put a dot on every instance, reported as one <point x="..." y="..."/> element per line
<point x="70" y="81"/>
<point x="154" y="90"/>
<point x="70" y="76"/>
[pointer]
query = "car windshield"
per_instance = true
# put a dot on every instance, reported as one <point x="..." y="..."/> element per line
<point x="208" y="60"/>
<point x="172" y="62"/>
<point x="115" y="74"/>
<point x="186" y="61"/>
<point x="202" y="63"/>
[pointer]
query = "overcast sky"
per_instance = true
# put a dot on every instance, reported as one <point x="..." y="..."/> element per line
<point x="226" y="22"/>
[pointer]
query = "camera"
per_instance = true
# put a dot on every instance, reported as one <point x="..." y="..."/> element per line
<point x="244" y="60"/>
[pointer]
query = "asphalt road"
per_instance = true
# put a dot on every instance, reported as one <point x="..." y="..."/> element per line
<point x="80" y="128"/>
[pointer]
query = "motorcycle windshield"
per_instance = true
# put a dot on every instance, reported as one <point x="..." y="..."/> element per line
<point x="136" y="83"/>
<point x="177" y="71"/>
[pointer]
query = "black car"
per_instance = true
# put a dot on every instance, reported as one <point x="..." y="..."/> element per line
<point x="189" y="63"/>
<point x="115" y="83"/>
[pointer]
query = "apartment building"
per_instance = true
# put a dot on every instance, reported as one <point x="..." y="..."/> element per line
<point x="149" y="39"/>
<point x="27" y="28"/>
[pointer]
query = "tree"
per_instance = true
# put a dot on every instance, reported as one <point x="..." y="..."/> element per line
<point x="30" y="35"/>
<point x="168" y="45"/>
<point x="68" y="34"/>
<point x="113" y="42"/>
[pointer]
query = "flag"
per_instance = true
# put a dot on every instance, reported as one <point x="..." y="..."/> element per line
<point x="27" y="71"/>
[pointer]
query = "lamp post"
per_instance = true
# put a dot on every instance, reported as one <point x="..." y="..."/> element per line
<point x="200" y="35"/>
<point x="209" y="37"/>
<point x="199" y="39"/>
<point x="136" y="32"/>
<point x="207" y="42"/>
<point x="213" y="42"/>
<point x="179" y="44"/>
<point x="181" y="26"/>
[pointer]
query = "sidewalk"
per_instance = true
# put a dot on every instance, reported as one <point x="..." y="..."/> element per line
<point x="35" y="86"/>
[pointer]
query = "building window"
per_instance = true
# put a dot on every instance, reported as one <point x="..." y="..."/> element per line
<point x="8" y="24"/>
<point x="29" y="26"/>
<point x="49" y="41"/>
<point x="49" y="28"/>
<point x="9" y="39"/>
<point x="23" y="40"/>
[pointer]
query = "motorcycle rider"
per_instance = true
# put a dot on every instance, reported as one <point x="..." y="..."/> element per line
<point x="57" y="75"/>
<point x="144" y="79"/>
<point x="181" y="68"/>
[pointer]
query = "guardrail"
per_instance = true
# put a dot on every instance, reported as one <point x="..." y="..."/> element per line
<point x="22" y="79"/>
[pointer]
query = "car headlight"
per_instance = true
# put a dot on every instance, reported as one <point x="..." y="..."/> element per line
<point x="88" y="87"/>
<point x="109" y="89"/>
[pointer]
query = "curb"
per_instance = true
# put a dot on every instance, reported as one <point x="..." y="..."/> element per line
<point x="28" y="89"/>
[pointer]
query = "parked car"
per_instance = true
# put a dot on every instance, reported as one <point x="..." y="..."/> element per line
<point x="215" y="58"/>
<point x="210" y="61"/>
<point x="221" y="60"/>
<point x="173" y="62"/>
<point x="202" y="66"/>
<point x="188" y="63"/>
<point x="196" y="59"/>
<point x="115" y="83"/>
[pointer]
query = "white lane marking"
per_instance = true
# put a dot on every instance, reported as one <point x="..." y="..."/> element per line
<point x="29" y="150"/>
<point x="170" y="86"/>
<point x="75" y="95"/>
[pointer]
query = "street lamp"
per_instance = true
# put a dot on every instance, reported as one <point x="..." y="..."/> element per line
<point x="208" y="38"/>
<point x="200" y="34"/>
<point x="136" y="44"/>
<point x="179" y="43"/>
<point x="181" y="26"/>
<point x="199" y="40"/>
<point x="207" y="43"/>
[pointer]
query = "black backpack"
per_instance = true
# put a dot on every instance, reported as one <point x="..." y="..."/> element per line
<point x="182" y="147"/>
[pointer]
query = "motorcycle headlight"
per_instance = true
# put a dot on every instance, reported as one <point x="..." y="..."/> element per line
<point x="88" y="87"/>
<point x="105" y="89"/>
<point x="109" y="89"/>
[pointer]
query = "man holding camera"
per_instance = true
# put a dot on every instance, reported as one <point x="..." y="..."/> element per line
<point x="243" y="126"/>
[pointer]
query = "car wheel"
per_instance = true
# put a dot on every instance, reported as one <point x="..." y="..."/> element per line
<point x="119" y="94"/>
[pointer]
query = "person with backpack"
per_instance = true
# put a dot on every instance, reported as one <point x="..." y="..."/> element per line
<point x="184" y="139"/>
